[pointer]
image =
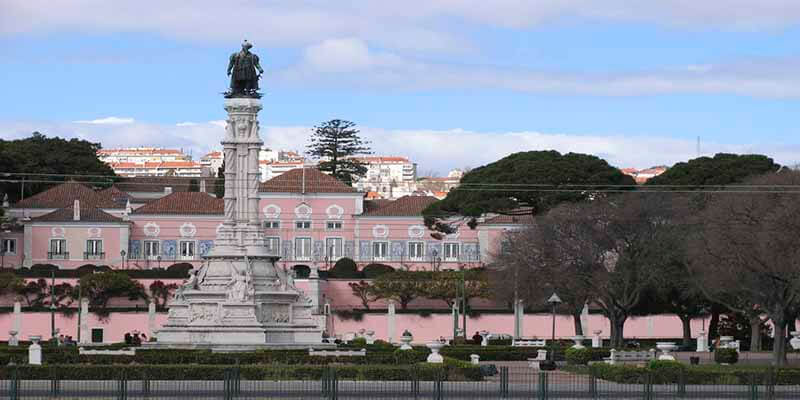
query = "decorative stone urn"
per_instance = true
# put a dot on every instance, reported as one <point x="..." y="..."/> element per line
<point x="370" y="336"/>
<point x="406" y="341"/>
<point x="666" y="348"/>
<point x="795" y="342"/>
<point x="484" y="338"/>
<point x="12" y="338"/>
<point x="435" y="357"/>
<point x="577" y="339"/>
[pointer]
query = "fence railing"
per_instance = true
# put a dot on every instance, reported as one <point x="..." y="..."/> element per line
<point x="508" y="383"/>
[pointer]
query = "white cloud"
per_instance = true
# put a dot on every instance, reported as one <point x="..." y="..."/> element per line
<point x="418" y="25"/>
<point x="437" y="150"/>
<point x="187" y="123"/>
<point x="349" y="63"/>
<point x="107" y="121"/>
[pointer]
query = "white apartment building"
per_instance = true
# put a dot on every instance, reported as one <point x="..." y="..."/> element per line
<point x="150" y="161"/>
<point x="168" y="168"/>
<point x="141" y="155"/>
<point x="212" y="162"/>
<point x="390" y="177"/>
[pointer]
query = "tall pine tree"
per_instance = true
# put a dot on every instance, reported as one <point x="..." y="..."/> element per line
<point x="335" y="144"/>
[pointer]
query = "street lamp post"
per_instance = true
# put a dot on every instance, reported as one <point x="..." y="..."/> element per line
<point x="52" y="304"/>
<point x="122" y="254"/>
<point x="159" y="261"/>
<point x="554" y="301"/>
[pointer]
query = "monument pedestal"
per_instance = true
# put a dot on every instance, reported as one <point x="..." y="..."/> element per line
<point x="239" y="298"/>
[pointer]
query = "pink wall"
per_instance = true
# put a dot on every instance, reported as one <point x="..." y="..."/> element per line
<point x="534" y="326"/>
<point x="115" y="326"/>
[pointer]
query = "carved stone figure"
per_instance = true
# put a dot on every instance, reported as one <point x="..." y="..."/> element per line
<point x="244" y="70"/>
<point x="240" y="287"/>
<point x="189" y="284"/>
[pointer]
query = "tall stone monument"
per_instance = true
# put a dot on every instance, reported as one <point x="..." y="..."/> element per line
<point x="239" y="298"/>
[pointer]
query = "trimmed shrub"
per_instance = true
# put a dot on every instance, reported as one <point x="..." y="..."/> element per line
<point x="726" y="356"/>
<point x="405" y="357"/>
<point x="302" y="271"/>
<point x="44" y="268"/>
<point x="345" y="268"/>
<point x="427" y="372"/>
<point x="375" y="270"/>
<point x="667" y="371"/>
<point x="578" y="356"/>
<point x="180" y="268"/>
<point x="359" y="342"/>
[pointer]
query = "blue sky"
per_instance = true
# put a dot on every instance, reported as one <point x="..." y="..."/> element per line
<point x="450" y="83"/>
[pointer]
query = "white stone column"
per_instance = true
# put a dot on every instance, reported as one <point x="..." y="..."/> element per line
<point x="151" y="319"/>
<point x="390" y="320"/>
<point x="702" y="342"/>
<point x="597" y="341"/>
<point x="16" y="327"/>
<point x="84" y="322"/>
<point x="585" y="320"/>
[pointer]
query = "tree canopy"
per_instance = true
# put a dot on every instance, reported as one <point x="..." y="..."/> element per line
<point x="722" y="169"/>
<point x="39" y="154"/>
<point x="336" y="143"/>
<point x="525" y="183"/>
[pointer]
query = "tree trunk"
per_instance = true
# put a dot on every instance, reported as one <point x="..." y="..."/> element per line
<point x="755" y="333"/>
<point x="779" y="347"/>
<point x="617" y="329"/>
<point x="686" y="321"/>
<point x="576" y="318"/>
<point x="713" y="323"/>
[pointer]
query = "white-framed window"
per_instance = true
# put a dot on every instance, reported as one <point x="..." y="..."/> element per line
<point x="380" y="250"/>
<point x="94" y="249"/>
<point x="58" y="249"/>
<point x="9" y="246"/>
<point x="333" y="225"/>
<point x="416" y="250"/>
<point x="302" y="225"/>
<point x="273" y="244"/>
<point x="187" y="250"/>
<point x="451" y="251"/>
<point x="272" y="224"/>
<point x="302" y="248"/>
<point x="333" y="248"/>
<point x="151" y="249"/>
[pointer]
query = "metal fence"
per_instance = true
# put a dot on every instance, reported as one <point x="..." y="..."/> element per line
<point x="509" y="383"/>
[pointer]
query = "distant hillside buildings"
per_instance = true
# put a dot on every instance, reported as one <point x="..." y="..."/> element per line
<point x="641" y="176"/>
<point x="387" y="177"/>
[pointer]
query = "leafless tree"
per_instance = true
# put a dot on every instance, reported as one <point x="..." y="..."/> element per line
<point x="600" y="251"/>
<point x="747" y="251"/>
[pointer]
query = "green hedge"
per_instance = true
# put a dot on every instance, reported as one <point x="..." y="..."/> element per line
<point x="450" y="370"/>
<point x="662" y="372"/>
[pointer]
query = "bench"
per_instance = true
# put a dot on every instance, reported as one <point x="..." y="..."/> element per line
<point x="528" y="343"/>
<point x="631" y="356"/>
<point x="121" y="352"/>
<point x="731" y="345"/>
<point x="541" y="355"/>
<point x="337" y="353"/>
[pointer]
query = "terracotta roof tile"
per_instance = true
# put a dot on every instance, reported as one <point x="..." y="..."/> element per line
<point x="156" y="184"/>
<point x="406" y="206"/>
<point x="88" y="214"/>
<point x="185" y="203"/>
<point x="510" y="219"/>
<point x="372" y="205"/>
<point x="315" y="181"/>
<point x="65" y="194"/>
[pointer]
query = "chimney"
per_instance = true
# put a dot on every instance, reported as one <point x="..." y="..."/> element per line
<point x="76" y="211"/>
<point x="202" y="185"/>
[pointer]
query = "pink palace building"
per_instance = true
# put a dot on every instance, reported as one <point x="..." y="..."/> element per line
<point x="309" y="219"/>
